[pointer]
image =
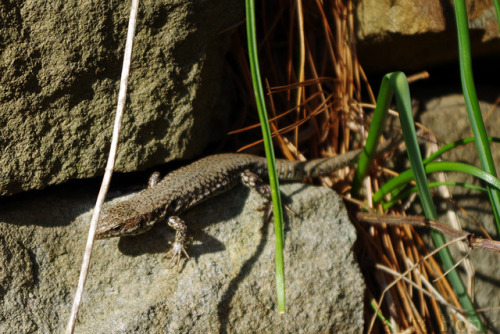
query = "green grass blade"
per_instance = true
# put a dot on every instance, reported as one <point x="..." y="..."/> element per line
<point x="434" y="167"/>
<point x="378" y="122"/>
<point x="382" y="318"/>
<point x="472" y="104"/>
<point x="404" y="194"/>
<point x="452" y="145"/>
<point x="266" y="133"/>
<point x="395" y="193"/>
<point x="402" y="95"/>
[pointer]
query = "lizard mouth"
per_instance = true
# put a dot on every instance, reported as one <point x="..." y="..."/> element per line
<point x="109" y="226"/>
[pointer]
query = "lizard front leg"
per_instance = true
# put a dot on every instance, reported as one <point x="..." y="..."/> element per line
<point x="249" y="179"/>
<point x="178" y="247"/>
<point x="252" y="180"/>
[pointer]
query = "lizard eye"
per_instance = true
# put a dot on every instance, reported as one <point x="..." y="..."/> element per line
<point x="116" y="228"/>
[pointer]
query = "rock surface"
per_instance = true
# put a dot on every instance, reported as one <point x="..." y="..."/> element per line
<point x="60" y="64"/>
<point x="227" y="286"/>
<point x="413" y="35"/>
<point x="447" y="117"/>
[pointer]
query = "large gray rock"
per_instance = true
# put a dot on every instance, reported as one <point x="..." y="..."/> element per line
<point x="60" y="63"/>
<point x="413" y="35"/>
<point x="227" y="286"/>
<point x="447" y="117"/>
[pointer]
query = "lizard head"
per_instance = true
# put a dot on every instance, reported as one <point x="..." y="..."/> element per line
<point x="122" y="220"/>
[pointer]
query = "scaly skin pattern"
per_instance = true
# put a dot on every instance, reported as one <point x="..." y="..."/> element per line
<point x="199" y="181"/>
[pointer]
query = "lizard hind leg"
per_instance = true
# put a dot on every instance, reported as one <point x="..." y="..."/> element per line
<point x="252" y="180"/>
<point x="179" y="245"/>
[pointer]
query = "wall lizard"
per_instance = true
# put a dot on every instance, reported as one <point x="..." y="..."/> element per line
<point x="199" y="181"/>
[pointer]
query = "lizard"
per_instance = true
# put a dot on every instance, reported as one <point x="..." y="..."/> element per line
<point x="190" y="185"/>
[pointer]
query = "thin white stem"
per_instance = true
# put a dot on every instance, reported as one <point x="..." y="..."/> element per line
<point x="454" y="221"/>
<point x="109" y="167"/>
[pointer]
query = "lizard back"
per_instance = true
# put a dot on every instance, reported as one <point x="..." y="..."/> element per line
<point x="203" y="179"/>
<point x="176" y="192"/>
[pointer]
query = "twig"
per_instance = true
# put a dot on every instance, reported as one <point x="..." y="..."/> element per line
<point x="302" y="61"/>
<point x="433" y="293"/>
<point x="457" y="311"/>
<point x="473" y="242"/>
<point x="109" y="167"/>
<point x="372" y="322"/>
<point x="456" y="265"/>
<point x="418" y="76"/>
